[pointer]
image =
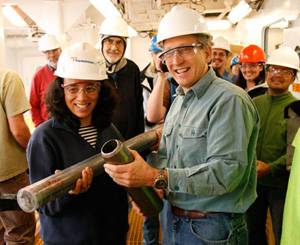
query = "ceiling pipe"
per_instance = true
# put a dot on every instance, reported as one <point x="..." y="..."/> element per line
<point x="265" y="34"/>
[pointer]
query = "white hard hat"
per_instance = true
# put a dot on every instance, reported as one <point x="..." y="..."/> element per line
<point x="114" y="26"/>
<point x="48" y="42"/>
<point x="81" y="61"/>
<point x="180" y="21"/>
<point x="284" y="56"/>
<point x="221" y="43"/>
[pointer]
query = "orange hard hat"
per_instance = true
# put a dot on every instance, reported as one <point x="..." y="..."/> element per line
<point x="251" y="54"/>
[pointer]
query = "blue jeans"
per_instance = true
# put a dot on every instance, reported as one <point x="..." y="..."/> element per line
<point x="151" y="230"/>
<point x="217" y="229"/>
<point x="151" y="225"/>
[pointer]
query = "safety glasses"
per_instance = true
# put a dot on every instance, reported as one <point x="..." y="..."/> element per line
<point x="91" y="89"/>
<point x="182" y="51"/>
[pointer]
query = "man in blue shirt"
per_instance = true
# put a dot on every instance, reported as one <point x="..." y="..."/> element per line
<point x="206" y="162"/>
<point x="220" y="53"/>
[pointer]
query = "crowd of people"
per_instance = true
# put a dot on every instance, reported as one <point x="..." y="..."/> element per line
<point x="221" y="161"/>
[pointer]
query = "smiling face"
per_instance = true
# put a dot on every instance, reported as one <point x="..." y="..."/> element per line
<point x="187" y="65"/>
<point x="52" y="56"/>
<point x="279" y="79"/>
<point x="81" y="97"/>
<point x="219" y="58"/>
<point x="113" y="49"/>
<point x="251" y="71"/>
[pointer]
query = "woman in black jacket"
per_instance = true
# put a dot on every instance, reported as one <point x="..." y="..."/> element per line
<point x="80" y="102"/>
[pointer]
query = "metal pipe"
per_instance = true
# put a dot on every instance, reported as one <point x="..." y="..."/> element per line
<point x="39" y="193"/>
<point x="265" y="34"/>
<point x="145" y="197"/>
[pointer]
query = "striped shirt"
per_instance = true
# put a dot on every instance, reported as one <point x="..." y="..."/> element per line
<point x="89" y="134"/>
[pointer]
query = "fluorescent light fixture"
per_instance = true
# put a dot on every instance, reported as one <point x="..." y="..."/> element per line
<point x="13" y="17"/>
<point x="215" y="25"/>
<point x="281" y="24"/>
<point x="239" y="12"/>
<point x="106" y="8"/>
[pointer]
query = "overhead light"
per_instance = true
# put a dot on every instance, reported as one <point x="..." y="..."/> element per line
<point x="283" y="23"/>
<point x="106" y="8"/>
<point x="238" y="12"/>
<point x="10" y="13"/>
<point x="215" y="25"/>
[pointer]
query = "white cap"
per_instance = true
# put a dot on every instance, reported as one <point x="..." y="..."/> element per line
<point x="221" y="43"/>
<point x="81" y="61"/>
<point x="114" y="26"/>
<point x="284" y="56"/>
<point x="180" y="21"/>
<point x="48" y="42"/>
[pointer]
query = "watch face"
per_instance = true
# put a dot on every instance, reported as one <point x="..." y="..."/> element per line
<point x="160" y="184"/>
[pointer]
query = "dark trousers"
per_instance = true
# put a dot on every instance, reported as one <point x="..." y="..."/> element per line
<point x="16" y="227"/>
<point x="268" y="197"/>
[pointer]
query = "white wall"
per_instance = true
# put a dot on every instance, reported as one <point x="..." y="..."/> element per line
<point x="139" y="51"/>
<point x="291" y="37"/>
<point x="24" y="61"/>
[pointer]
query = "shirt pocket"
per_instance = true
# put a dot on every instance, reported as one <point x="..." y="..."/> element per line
<point x="194" y="141"/>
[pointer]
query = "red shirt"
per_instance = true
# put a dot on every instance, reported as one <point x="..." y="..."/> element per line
<point x="39" y="85"/>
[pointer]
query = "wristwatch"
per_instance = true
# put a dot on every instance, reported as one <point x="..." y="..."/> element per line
<point x="161" y="181"/>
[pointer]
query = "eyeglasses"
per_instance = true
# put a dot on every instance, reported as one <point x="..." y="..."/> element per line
<point x="187" y="51"/>
<point x="74" y="89"/>
<point x="280" y="71"/>
<point x="110" y="42"/>
<point x="250" y="65"/>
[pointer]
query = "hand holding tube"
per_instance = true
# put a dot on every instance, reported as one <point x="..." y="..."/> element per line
<point x="142" y="194"/>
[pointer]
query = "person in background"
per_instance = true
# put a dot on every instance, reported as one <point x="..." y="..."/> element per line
<point x="272" y="176"/>
<point x="49" y="45"/>
<point x="125" y="76"/>
<point x="80" y="102"/>
<point x="149" y="75"/>
<point x="162" y="95"/>
<point x="220" y="53"/>
<point x="16" y="226"/>
<point x="235" y="68"/>
<point x="252" y="72"/>
<point x="206" y="159"/>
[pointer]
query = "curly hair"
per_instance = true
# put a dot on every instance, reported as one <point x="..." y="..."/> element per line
<point x="102" y="113"/>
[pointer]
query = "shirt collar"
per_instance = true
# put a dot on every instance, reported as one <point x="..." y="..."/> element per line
<point x="200" y="87"/>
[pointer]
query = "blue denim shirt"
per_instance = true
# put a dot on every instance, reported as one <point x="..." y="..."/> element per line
<point x="208" y="146"/>
<point x="226" y="76"/>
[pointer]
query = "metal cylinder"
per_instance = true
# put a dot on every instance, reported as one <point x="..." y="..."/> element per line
<point x="33" y="196"/>
<point x="145" y="197"/>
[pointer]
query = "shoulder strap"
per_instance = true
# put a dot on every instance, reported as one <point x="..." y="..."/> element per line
<point x="143" y="76"/>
